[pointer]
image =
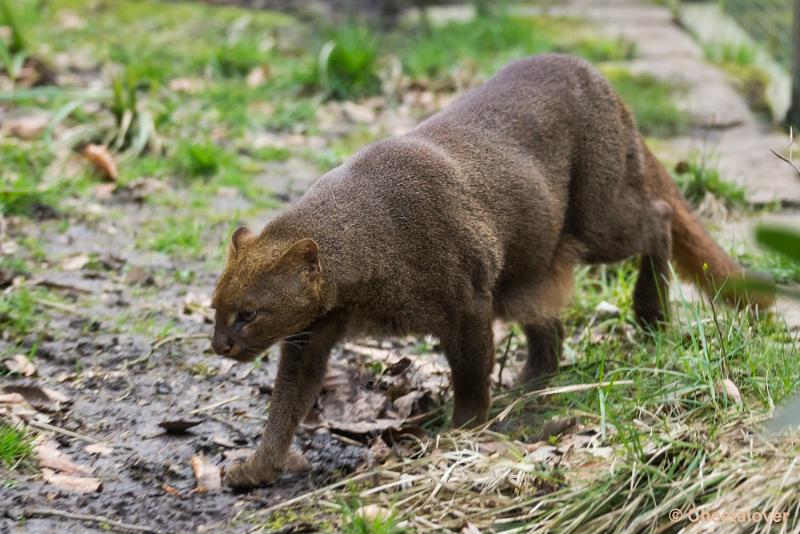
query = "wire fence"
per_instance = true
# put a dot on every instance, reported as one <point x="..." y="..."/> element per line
<point x="768" y="21"/>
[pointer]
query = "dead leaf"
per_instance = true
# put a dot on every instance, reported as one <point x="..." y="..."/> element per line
<point x="20" y="364"/>
<point x="102" y="448"/>
<point x="469" y="528"/>
<point x="169" y="489"/>
<point x="185" y="85"/>
<point x="540" y="452"/>
<point x="373" y="512"/>
<point x="71" y="482"/>
<point x="198" y="307"/>
<point x="179" y="425"/>
<point x="257" y="76"/>
<point x="208" y="475"/>
<point x="139" y="276"/>
<point x="104" y="191"/>
<point x="398" y="367"/>
<point x="729" y="388"/>
<point x="27" y="128"/>
<point x="76" y="262"/>
<point x="223" y="441"/>
<point x="50" y="457"/>
<point x="406" y="404"/>
<point x="101" y="158"/>
<point x="12" y="398"/>
<point x="606" y="310"/>
<point x="365" y="427"/>
<point x="225" y="366"/>
<point x="43" y="399"/>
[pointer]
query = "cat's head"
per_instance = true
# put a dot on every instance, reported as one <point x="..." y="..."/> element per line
<point x="266" y="293"/>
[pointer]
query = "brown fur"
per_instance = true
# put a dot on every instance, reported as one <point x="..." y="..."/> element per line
<point x="479" y="213"/>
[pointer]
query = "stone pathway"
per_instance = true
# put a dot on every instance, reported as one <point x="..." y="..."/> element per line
<point x="723" y="127"/>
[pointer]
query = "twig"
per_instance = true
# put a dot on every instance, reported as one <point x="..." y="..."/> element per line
<point x="503" y="360"/>
<point x="61" y="307"/>
<point x="215" y="405"/>
<point x="787" y="160"/>
<point x="158" y="345"/>
<point x="47" y="426"/>
<point x="30" y="512"/>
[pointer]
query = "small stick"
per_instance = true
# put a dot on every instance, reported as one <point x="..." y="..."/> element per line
<point x="159" y="344"/>
<point x="503" y="360"/>
<point x="215" y="405"/>
<point x="47" y="426"/>
<point x="787" y="160"/>
<point x="29" y="512"/>
<point x="60" y="307"/>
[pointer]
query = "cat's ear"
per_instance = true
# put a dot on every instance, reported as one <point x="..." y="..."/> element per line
<point x="302" y="256"/>
<point x="242" y="235"/>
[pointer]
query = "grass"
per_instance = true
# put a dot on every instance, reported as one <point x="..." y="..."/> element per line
<point x="782" y="269"/>
<point x="18" y="310"/>
<point x="652" y="102"/>
<point x="439" y="53"/>
<point x="15" y="446"/>
<point x="346" y="65"/>
<point x="359" y="520"/>
<point x="739" y="60"/>
<point x="698" y="178"/>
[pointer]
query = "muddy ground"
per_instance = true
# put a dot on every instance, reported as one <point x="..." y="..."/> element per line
<point x="121" y="384"/>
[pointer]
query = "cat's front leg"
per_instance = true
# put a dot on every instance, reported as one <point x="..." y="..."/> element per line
<point x="300" y="373"/>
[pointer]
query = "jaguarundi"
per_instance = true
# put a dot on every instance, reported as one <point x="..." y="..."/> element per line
<point x="479" y="213"/>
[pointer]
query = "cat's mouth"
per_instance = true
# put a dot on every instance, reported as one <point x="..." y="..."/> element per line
<point x="247" y="353"/>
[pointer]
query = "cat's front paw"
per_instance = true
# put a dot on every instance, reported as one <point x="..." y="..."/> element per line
<point x="253" y="473"/>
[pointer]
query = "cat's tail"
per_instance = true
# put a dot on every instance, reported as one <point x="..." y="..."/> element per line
<point x="697" y="257"/>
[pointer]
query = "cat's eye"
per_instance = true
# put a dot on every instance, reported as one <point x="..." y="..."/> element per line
<point x="246" y="316"/>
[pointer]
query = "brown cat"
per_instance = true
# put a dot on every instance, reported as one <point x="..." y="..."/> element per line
<point x="479" y="213"/>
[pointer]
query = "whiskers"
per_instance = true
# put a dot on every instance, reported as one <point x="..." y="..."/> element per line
<point x="299" y="339"/>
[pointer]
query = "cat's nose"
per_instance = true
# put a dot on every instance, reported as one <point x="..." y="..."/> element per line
<point x="221" y="344"/>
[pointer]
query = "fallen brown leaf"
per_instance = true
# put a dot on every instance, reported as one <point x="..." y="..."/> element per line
<point x="257" y="76"/>
<point x="103" y="162"/>
<point x="42" y="399"/>
<point x="223" y="441"/>
<point x="469" y="528"/>
<point x="50" y="457"/>
<point x="27" y="128"/>
<point x="729" y="388"/>
<point x="372" y="512"/>
<point x="208" y="475"/>
<point x="20" y="364"/>
<point x="179" y="425"/>
<point x="185" y="85"/>
<point x="72" y="482"/>
<point x="76" y="262"/>
<point x="104" y="191"/>
<point x="169" y="489"/>
<point x="101" y="448"/>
